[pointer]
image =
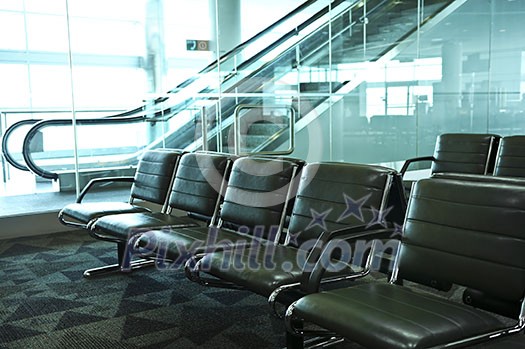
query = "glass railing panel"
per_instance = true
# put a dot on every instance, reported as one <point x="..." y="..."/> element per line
<point x="259" y="128"/>
<point x="392" y="112"/>
<point x="242" y="71"/>
<point x="323" y="61"/>
<point x="338" y="57"/>
<point x="292" y="29"/>
<point x="271" y="51"/>
<point x="505" y="93"/>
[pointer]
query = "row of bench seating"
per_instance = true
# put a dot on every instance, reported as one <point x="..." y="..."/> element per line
<point x="297" y="214"/>
<point x="463" y="227"/>
<point x="249" y="200"/>
<point x="458" y="231"/>
<point x="483" y="154"/>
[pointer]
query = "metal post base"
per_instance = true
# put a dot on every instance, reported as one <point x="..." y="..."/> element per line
<point x="108" y="269"/>
<point x="320" y="342"/>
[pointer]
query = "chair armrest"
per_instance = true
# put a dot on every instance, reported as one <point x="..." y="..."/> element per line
<point x="410" y="161"/>
<point x="311" y="278"/>
<point x="346" y="233"/>
<point x="94" y="181"/>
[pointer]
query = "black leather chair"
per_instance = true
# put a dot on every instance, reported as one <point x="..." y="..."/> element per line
<point x="461" y="153"/>
<point x="340" y="200"/>
<point x="196" y="192"/>
<point x="510" y="161"/>
<point x="257" y="200"/>
<point x="151" y="184"/>
<point x="465" y="232"/>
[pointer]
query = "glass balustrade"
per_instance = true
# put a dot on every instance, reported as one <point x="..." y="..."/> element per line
<point x="366" y="81"/>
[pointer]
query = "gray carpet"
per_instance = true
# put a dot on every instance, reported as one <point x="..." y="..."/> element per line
<point x="46" y="303"/>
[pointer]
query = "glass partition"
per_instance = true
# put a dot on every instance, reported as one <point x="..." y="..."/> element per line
<point x="370" y="81"/>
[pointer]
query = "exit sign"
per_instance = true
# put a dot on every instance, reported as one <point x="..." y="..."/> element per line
<point x="197" y="45"/>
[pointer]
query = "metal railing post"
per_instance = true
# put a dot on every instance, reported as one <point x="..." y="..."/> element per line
<point x="3" y="125"/>
<point x="204" y="129"/>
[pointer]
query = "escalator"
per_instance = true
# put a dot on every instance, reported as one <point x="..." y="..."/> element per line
<point x="200" y="113"/>
<point x="175" y="111"/>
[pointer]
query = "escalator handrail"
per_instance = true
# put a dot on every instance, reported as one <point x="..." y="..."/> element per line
<point x="157" y="116"/>
<point x="160" y="115"/>
<point x="233" y="51"/>
<point x="412" y="31"/>
<point x="212" y="66"/>
<point x="9" y="158"/>
<point x="37" y="170"/>
<point x="290" y="34"/>
<point x="179" y="107"/>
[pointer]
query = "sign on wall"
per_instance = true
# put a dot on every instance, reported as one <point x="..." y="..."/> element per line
<point x="197" y="45"/>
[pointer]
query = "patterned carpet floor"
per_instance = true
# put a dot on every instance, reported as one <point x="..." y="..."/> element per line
<point x="45" y="302"/>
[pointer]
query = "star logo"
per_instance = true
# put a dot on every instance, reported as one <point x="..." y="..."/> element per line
<point x="292" y="239"/>
<point x="379" y="217"/>
<point x="398" y="230"/>
<point x="318" y="219"/>
<point x="353" y="207"/>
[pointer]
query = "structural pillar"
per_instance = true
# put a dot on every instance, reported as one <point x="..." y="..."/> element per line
<point x="447" y="101"/>
<point x="225" y="17"/>
<point x="155" y="61"/>
<point x="452" y="67"/>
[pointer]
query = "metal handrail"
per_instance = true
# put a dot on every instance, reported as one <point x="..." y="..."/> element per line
<point x="171" y="111"/>
<point x="212" y="66"/>
<point x="7" y="155"/>
<point x="11" y="129"/>
<point x="33" y="167"/>
<point x="124" y="117"/>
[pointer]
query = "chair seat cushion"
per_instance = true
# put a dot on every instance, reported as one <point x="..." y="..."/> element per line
<point x="122" y="226"/>
<point x="180" y="244"/>
<point x="261" y="268"/>
<point x="85" y="212"/>
<point x="391" y="316"/>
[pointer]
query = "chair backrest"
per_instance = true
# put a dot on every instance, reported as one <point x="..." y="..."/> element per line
<point x="259" y="192"/>
<point x="465" y="153"/>
<point x="510" y="161"/>
<point x="154" y="175"/>
<point x="468" y="233"/>
<point x="199" y="183"/>
<point x="333" y="195"/>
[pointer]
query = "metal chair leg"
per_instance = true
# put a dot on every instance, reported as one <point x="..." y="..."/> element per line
<point x="130" y="265"/>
